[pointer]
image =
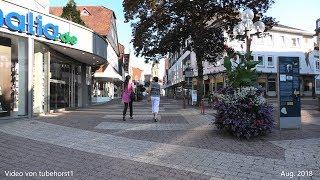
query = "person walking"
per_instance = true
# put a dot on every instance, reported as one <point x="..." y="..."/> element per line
<point x="127" y="97"/>
<point x="154" y="90"/>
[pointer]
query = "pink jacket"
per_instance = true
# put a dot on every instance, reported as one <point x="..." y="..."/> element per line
<point x="126" y="93"/>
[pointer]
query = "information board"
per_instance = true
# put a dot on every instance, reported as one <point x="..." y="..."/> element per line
<point x="289" y="92"/>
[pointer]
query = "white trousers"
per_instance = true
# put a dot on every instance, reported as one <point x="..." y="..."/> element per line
<point x="155" y="101"/>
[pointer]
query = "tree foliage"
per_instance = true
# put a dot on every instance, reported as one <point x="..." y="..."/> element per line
<point x="242" y="74"/>
<point x="71" y="13"/>
<point x="162" y="26"/>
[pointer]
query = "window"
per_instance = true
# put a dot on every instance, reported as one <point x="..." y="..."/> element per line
<point x="293" y="42"/>
<point x="260" y="59"/>
<point x="251" y="58"/>
<point x="84" y="12"/>
<point x="318" y="65"/>
<point x="272" y="84"/>
<point x="307" y="85"/>
<point x="298" y="42"/>
<point x="270" y="61"/>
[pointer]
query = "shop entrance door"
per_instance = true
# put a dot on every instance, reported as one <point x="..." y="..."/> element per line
<point x="60" y="86"/>
<point x="64" y="85"/>
<point x="5" y="77"/>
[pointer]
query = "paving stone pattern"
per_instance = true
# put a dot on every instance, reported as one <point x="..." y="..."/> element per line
<point x="95" y="143"/>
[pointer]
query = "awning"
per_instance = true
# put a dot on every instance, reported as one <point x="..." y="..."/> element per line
<point x="108" y="74"/>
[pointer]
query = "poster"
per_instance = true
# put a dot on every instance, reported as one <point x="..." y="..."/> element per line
<point x="194" y="96"/>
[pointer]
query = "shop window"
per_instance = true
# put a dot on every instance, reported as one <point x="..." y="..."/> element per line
<point x="307" y="85"/>
<point x="262" y="85"/>
<point x="13" y="77"/>
<point x="272" y="84"/>
<point x="270" y="61"/>
<point x="219" y="85"/>
<point x="317" y="84"/>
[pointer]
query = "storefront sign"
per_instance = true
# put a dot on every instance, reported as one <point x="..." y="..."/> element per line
<point x="289" y="92"/>
<point x="25" y="24"/>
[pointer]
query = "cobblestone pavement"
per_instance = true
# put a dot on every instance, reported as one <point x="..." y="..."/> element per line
<point x="94" y="143"/>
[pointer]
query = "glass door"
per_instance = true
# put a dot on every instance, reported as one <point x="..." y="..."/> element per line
<point x="60" y="85"/>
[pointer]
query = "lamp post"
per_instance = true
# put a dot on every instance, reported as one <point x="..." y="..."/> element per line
<point x="248" y="28"/>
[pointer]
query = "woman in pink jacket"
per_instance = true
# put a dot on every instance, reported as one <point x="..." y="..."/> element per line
<point x="127" y="97"/>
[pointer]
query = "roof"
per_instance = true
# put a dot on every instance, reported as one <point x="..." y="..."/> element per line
<point x="109" y="73"/>
<point x="121" y="48"/>
<point x="284" y="28"/>
<point x="136" y="73"/>
<point x="99" y="18"/>
<point x="288" y="27"/>
<point x="121" y="52"/>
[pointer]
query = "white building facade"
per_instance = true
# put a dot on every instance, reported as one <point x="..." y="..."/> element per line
<point x="280" y="41"/>
<point x="45" y="61"/>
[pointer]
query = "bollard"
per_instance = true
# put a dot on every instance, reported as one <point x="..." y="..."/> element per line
<point x="202" y="106"/>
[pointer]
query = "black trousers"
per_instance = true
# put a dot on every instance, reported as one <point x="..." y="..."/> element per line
<point x="126" y="107"/>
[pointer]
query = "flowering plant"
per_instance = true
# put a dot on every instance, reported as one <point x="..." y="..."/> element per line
<point x="243" y="112"/>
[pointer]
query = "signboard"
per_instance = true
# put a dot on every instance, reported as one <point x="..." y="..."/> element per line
<point x="289" y="92"/>
<point x="25" y="24"/>
<point x="194" y="96"/>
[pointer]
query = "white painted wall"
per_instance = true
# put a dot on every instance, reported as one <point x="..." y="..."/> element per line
<point x="279" y="45"/>
<point x="38" y="5"/>
<point x="112" y="57"/>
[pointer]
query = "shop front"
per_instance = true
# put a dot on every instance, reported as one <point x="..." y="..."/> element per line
<point x="45" y="62"/>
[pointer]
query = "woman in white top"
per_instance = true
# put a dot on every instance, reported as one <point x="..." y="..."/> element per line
<point x="154" y="91"/>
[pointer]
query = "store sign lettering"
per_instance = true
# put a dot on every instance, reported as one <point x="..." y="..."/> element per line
<point x="17" y="22"/>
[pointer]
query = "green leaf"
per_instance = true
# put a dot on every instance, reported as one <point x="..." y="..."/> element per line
<point x="227" y="63"/>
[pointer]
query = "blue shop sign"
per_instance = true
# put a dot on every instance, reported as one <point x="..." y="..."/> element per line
<point x="26" y="24"/>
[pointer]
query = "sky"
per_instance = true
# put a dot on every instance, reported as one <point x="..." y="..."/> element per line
<point x="300" y="14"/>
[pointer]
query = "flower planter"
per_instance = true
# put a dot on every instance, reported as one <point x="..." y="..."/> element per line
<point x="243" y="112"/>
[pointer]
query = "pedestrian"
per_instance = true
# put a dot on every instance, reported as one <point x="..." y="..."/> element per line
<point x="154" y="91"/>
<point x="127" y="97"/>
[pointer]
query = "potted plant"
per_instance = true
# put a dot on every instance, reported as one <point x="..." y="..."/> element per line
<point x="241" y="108"/>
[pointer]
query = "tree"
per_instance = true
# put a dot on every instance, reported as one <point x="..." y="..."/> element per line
<point x="71" y="13"/>
<point x="244" y="73"/>
<point x="162" y="26"/>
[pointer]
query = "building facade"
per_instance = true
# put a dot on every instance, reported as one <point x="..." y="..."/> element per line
<point x="45" y="61"/>
<point x="280" y="41"/>
<point x="107" y="79"/>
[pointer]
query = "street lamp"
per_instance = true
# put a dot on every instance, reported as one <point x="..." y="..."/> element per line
<point x="247" y="27"/>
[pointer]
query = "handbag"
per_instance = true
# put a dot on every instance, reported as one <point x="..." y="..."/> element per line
<point x="132" y="95"/>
